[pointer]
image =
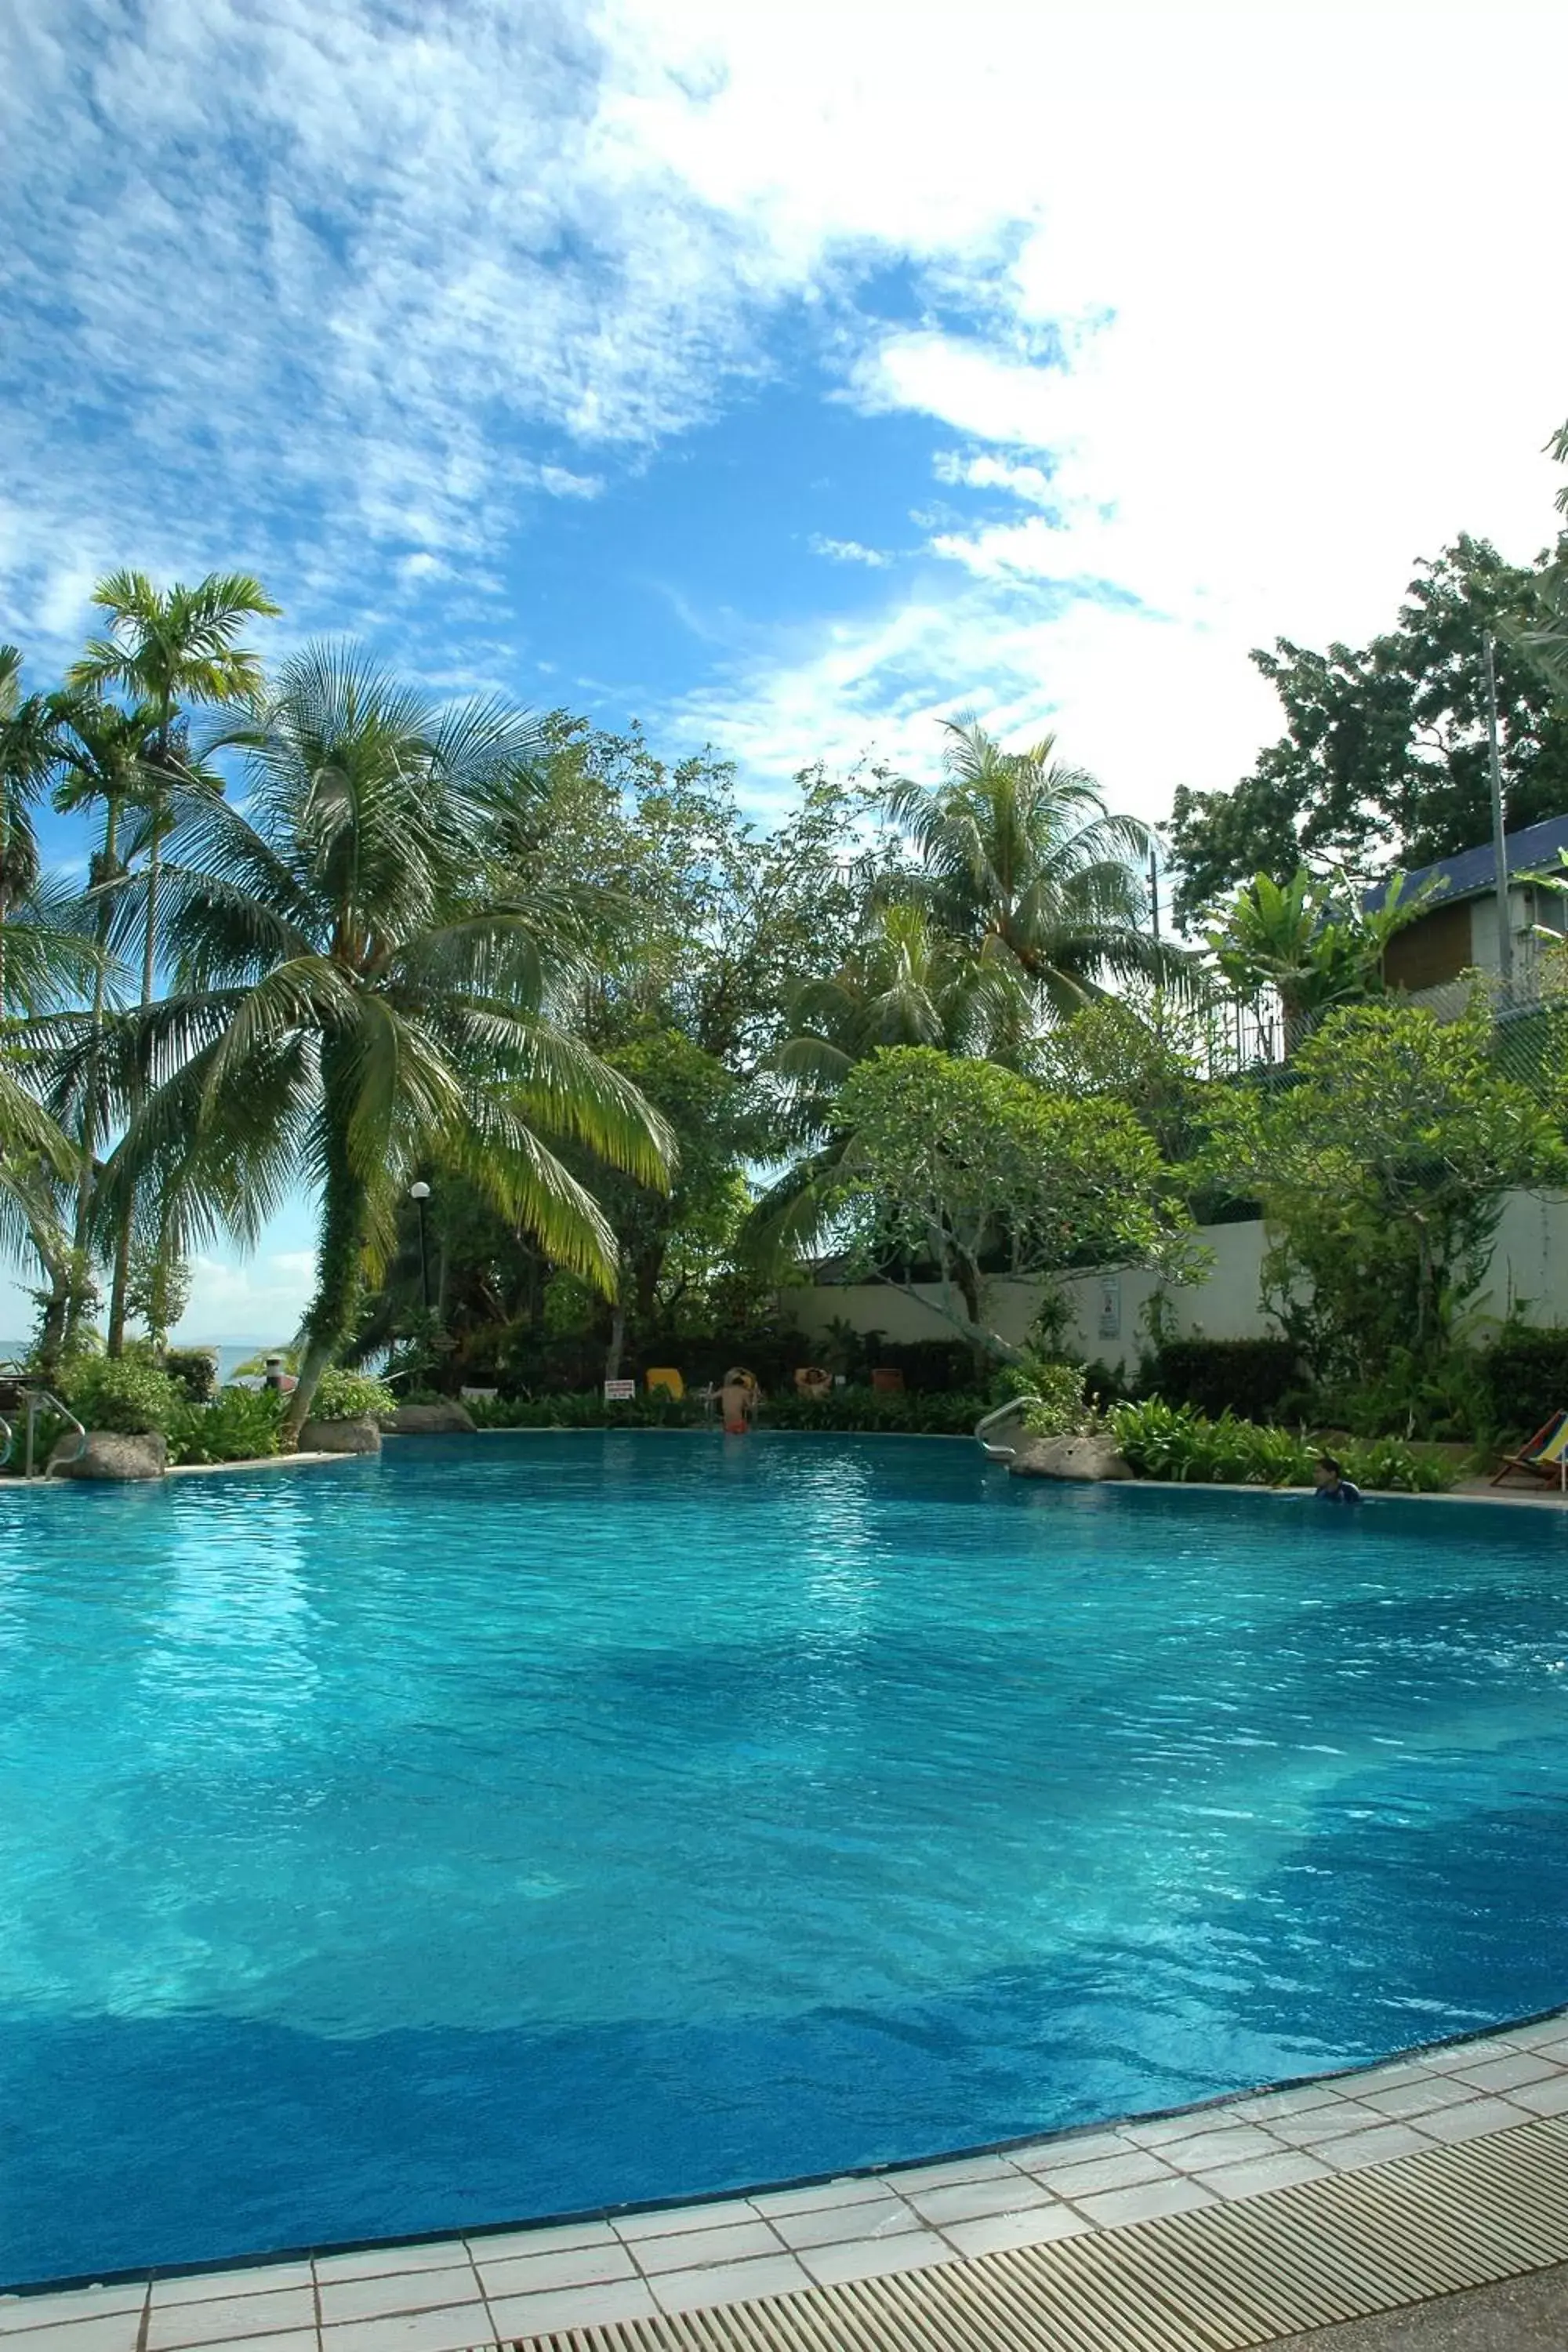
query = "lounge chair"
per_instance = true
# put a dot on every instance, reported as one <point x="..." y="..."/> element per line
<point x="664" y="1377"/>
<point x="1545" y="1457"/>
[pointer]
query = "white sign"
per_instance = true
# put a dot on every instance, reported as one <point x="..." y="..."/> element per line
<point x="619" y="1391"/>
<point x="1110" y="1307"/>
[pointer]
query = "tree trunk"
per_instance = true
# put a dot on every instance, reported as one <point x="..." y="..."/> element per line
<point x="54" y="1328"/>
<point x="121" y="1276"/>
<point x="107" y="864"/>
<point x="966" y="1274"/>
<point x="119" y="1282"/>
<point x="340" y="1261"/>
<point x="616" y="1348"/>
<point x="990" y="1347"/>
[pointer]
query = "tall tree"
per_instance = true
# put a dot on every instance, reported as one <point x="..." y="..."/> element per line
<point x="169" y="649"/>
<point x="1018" y="858"/>
<point x="27" y="760"/>
<point x="707" y="922"/>
<point x="1381" y="1171"/>
<point x="959" y="1170"/>
<point x="351" y="1001"/>
<point x="105" y="756"/>
<point x="1384" y="758"/>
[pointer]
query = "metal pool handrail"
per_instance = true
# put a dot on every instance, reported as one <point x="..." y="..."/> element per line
<point x="36" y="1399"/>
<point x="994" y="1420"/>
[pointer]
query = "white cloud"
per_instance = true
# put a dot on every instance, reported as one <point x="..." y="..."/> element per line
<point x="1031" y="483"/>
<point x="848" y="550"/>
<point x="1228" y="329"/>
<point x="1244" y="308"/>
<point x="263" y="1300"/>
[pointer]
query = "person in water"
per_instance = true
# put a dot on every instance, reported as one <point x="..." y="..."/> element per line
<point x="736" y="1402"/>
<point x="1332" y="1484"/>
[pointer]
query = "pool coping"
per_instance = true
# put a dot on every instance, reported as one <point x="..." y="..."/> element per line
<point x="649" y="2258"/>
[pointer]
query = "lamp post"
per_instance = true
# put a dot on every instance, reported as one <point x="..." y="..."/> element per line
<point x="419" y="1194"/>
<point x="1500" y="838"/>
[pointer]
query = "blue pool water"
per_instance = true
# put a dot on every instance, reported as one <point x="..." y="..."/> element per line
<point x="529" y="1823"/>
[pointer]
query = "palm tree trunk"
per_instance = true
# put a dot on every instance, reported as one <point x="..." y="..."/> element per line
<point x="616" y="1348"/>
<point x="89" y="1108"/>
<point x="120" y="1277"/>
<point x="340" y="1261"/>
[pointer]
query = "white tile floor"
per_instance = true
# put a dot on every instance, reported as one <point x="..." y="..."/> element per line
<point x="459" y="2293"/>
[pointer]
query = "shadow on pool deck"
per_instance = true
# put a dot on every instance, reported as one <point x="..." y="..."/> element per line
<point x="1523" y="2314"/>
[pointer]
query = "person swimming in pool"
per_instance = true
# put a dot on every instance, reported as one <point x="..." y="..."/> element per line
<point x="1332" y="1484"/>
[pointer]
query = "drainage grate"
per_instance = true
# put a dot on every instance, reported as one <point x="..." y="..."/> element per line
<point x="1216" y="2280"/>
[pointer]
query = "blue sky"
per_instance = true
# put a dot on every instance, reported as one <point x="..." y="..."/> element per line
<point x="786" y="376"/>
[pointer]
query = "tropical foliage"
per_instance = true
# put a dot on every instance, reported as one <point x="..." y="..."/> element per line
<point x="584" y="1070"/>
<point x="959" y="1170"/>
<point x="1384" y="758"/>
<point x="1380" y="1165"/>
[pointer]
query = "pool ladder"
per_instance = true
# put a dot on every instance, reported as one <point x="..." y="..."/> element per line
<point x="36" y="1400"/>
<point x="1012" y="1411"/>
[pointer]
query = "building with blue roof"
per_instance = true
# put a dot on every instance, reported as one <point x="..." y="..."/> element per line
<point x="1458" y="932"/>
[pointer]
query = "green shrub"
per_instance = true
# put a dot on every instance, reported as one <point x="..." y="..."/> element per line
<point x="867" y="1409"/>
<point x="128" y="1394"/>
<point x="1059" y="1408"/>
<point x="1166" y="1441"/>
<point x="1390" y="1463"/>
<point x="585" y="1409"/>
<point x="349" y="1396"/>
<point x="1525" y="1376"/>
<point x="239" y="1425"/>
<point x="1216" y="1376"/>
<point x="196" y="1369"/>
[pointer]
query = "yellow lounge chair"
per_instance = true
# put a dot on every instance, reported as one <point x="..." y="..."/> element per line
<point x="1545" y="1457"/>
<point x="664" y="1378"/>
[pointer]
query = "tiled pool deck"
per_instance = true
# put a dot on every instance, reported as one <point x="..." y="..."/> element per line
<point x="447" y="2294"/>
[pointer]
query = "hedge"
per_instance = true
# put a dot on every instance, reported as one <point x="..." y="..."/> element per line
<point x="1525" y="1375"/>
<point x="1249" y="1377"/>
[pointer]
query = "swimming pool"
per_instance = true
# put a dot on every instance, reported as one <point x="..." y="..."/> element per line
<point x="520" y="1824"/>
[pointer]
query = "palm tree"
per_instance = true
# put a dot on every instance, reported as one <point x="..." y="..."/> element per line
<point x="904" y="982"/>
<point x="27" y="757"/>
<point x="1021" y="861"/>
<point x="167" y="648"/>
<point x="104" y="753"/>
<point x="352" y="1003"/>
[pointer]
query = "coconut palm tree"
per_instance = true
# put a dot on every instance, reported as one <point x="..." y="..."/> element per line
<point x="351" y="1001"/>
<point x="1020" y="860"/>
<point x="168" y="648"/>
<point x="105" y="755"/>
<point x="904" y="982"/>
<point x="27" y="757"/>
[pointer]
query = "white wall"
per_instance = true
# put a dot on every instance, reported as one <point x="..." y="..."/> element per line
<point x="1529" y="1267"/>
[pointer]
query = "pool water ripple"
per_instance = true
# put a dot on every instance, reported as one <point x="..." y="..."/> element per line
<point x="523" y="1824"/>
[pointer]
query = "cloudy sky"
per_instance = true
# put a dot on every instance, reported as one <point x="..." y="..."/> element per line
<point x="784" y="373"/>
